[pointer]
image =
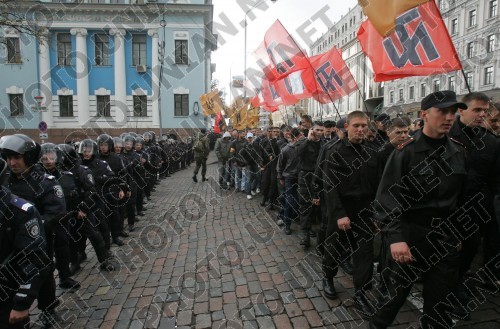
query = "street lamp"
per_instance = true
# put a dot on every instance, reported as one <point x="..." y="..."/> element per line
<point x="161" y="58"/>
<point x="245" y="57"/>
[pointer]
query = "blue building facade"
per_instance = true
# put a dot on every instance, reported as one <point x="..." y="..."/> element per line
<point x="111" y="65"/>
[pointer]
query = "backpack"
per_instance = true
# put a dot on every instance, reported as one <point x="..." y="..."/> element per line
<point x="199" y="145"/>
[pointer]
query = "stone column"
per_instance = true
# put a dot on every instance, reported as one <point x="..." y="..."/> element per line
<point x="45" y="78"/>
<point x="121" y="108"/>
<point x="82" y="76"/>
<point x="155" y="72"/>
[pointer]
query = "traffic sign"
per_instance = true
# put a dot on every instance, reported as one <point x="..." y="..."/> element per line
<point x="42" y="126"/>
<point x="43" y="136"/>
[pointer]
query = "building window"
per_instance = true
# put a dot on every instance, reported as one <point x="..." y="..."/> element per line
<point x="488" y="75"/>
<point x="64" y="49"/>
<point x="181" y="52"/>
<point x="16" y="105"/>
<point x="13" y="50"/>
<point x="492" y="12"/>
<point x="103" y="106"/>
<point x="469" y="79"/>
<point x="472" y="18"/>
<point x="454" y="26"/>
<point x="436" y="86"/>
<point x="400" y="95"/>
<point x="139" y="52"/>
<point x="391" y="97"/>
<point x="66" y="106"/>
<point x="411" y="92"/>
<point x="181" y="105"/>
<point x="140" y="105"/>
<point x="451" y="83"/>
<point x="470" y="49"/>
<point x="490" y="43"/>
<point x="102" y="50"/>
<point x="423" y="91"/>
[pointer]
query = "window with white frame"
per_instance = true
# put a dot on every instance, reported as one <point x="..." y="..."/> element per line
<point x="490" y="43"/>
<point x="391" y="97"/>
<point x="102" y="54"/>
<point x="401" y="94"/>
<point x="65" y="105"/>
<point x="470" y="79"/>
<point x="140" y="105"/>
<point x="16" y="105"/>
<point x="139" y="52"/>
<point x="13" y="50"/>
<point x="470" y="49"/>
<point x="103" y="106"/>
<point x="492" y="8"/>
<point x="472" y="18"/>
<point x="451" y="83"/>
<point x="64" y="49"/>
<point x="411" y="92"/>
<point x="436" y="86"/>
<point x="488" y="75"/>
<point x="423" y="90"/>
<point x="181" y="105"/>
<point x="181" y="51"/>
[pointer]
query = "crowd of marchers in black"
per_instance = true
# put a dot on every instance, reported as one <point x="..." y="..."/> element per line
<point x="425" y="193"/>
<point x="55" y="197"/>
<point x="415" y="197"/>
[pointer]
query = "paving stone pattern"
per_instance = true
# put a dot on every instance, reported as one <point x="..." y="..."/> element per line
<point x="206" y="258"/>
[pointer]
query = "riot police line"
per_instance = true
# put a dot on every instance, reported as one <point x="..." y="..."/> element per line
<point x="55" y="197"/>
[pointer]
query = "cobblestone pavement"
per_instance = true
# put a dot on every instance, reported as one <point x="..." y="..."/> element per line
<point x="202" y="258"/>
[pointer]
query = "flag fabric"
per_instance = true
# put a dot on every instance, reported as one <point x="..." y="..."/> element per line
<point x="419" y="46"/>
<point x="383" y="13"/>
<point x="279" y="54"/>
<point x="328" y="78"/>
<point x="219" y="123"/>
<point x="211" y="103"/>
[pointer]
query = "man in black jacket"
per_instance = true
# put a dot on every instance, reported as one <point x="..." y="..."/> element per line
<point x="417" y="200"/>
<point x="483" y="178"/>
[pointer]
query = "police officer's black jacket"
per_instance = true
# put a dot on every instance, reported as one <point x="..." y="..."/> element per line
<point x="68" y="184"/>
<point x="350" y="172"/>
<point x="132" y="161"/>
<point x="116" y="164"/>
<point x="41" y="189"/>
<point x="108" y="185"/>
<point x="23" y="261"/>
<point x="420" y="184"/>
<point x="483" y="155"/>
<point x="85" y="187"/>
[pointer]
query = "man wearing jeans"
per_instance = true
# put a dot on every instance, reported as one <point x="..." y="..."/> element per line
<point x="253" y="164"/>
<point x="287" y="169"/>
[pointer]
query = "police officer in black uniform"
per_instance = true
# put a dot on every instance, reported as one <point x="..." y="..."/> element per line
<point x="133" y="165"/>
<point x="23" y="261"/>
<point x="116" y="213"/>
<point x="49" y="158"/>
<point x="111" y="190"/>
<point x="418" y="222"/>
<point x="31" y="183"/>
<point x="142" y="172"/>
<point x="83" y="222"/>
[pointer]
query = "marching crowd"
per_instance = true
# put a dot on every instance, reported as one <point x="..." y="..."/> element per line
<point x="427" y="190"/>
<point x="403" y="186"/>
<point x="56" y="196"/>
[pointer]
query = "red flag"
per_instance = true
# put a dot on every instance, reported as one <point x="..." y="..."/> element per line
<point x="219" y="123"/>
<point x="329" y="77"/>
<point x="279" y="54"/>
<point x="419" y="46"/>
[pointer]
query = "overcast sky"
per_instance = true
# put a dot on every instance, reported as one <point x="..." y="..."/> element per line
<point x="305" y="20"/>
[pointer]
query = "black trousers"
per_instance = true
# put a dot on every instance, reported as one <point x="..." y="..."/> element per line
<point x="131" y="205"/>
<point x="439" y="277"/>
<point x="359" y="239"/>
<point x="270" y="183"/>
<point x="201" y="162"/>
<point x="305" y="193"/>
<point x="81" y="230"/>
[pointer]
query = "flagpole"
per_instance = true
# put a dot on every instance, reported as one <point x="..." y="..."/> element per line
<point x="466" y="82"/>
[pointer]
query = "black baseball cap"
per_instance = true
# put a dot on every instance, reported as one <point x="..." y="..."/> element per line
<point x="441" y="100"/>
<point x="383" y="117"/>
<point x="340" y="124"/>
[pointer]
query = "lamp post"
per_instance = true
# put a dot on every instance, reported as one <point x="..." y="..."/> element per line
<point x="161" y="58"/>
<point x="245" y="57"/>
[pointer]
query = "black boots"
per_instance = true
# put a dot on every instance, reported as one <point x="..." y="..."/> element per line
<point x="329" y="289"/>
